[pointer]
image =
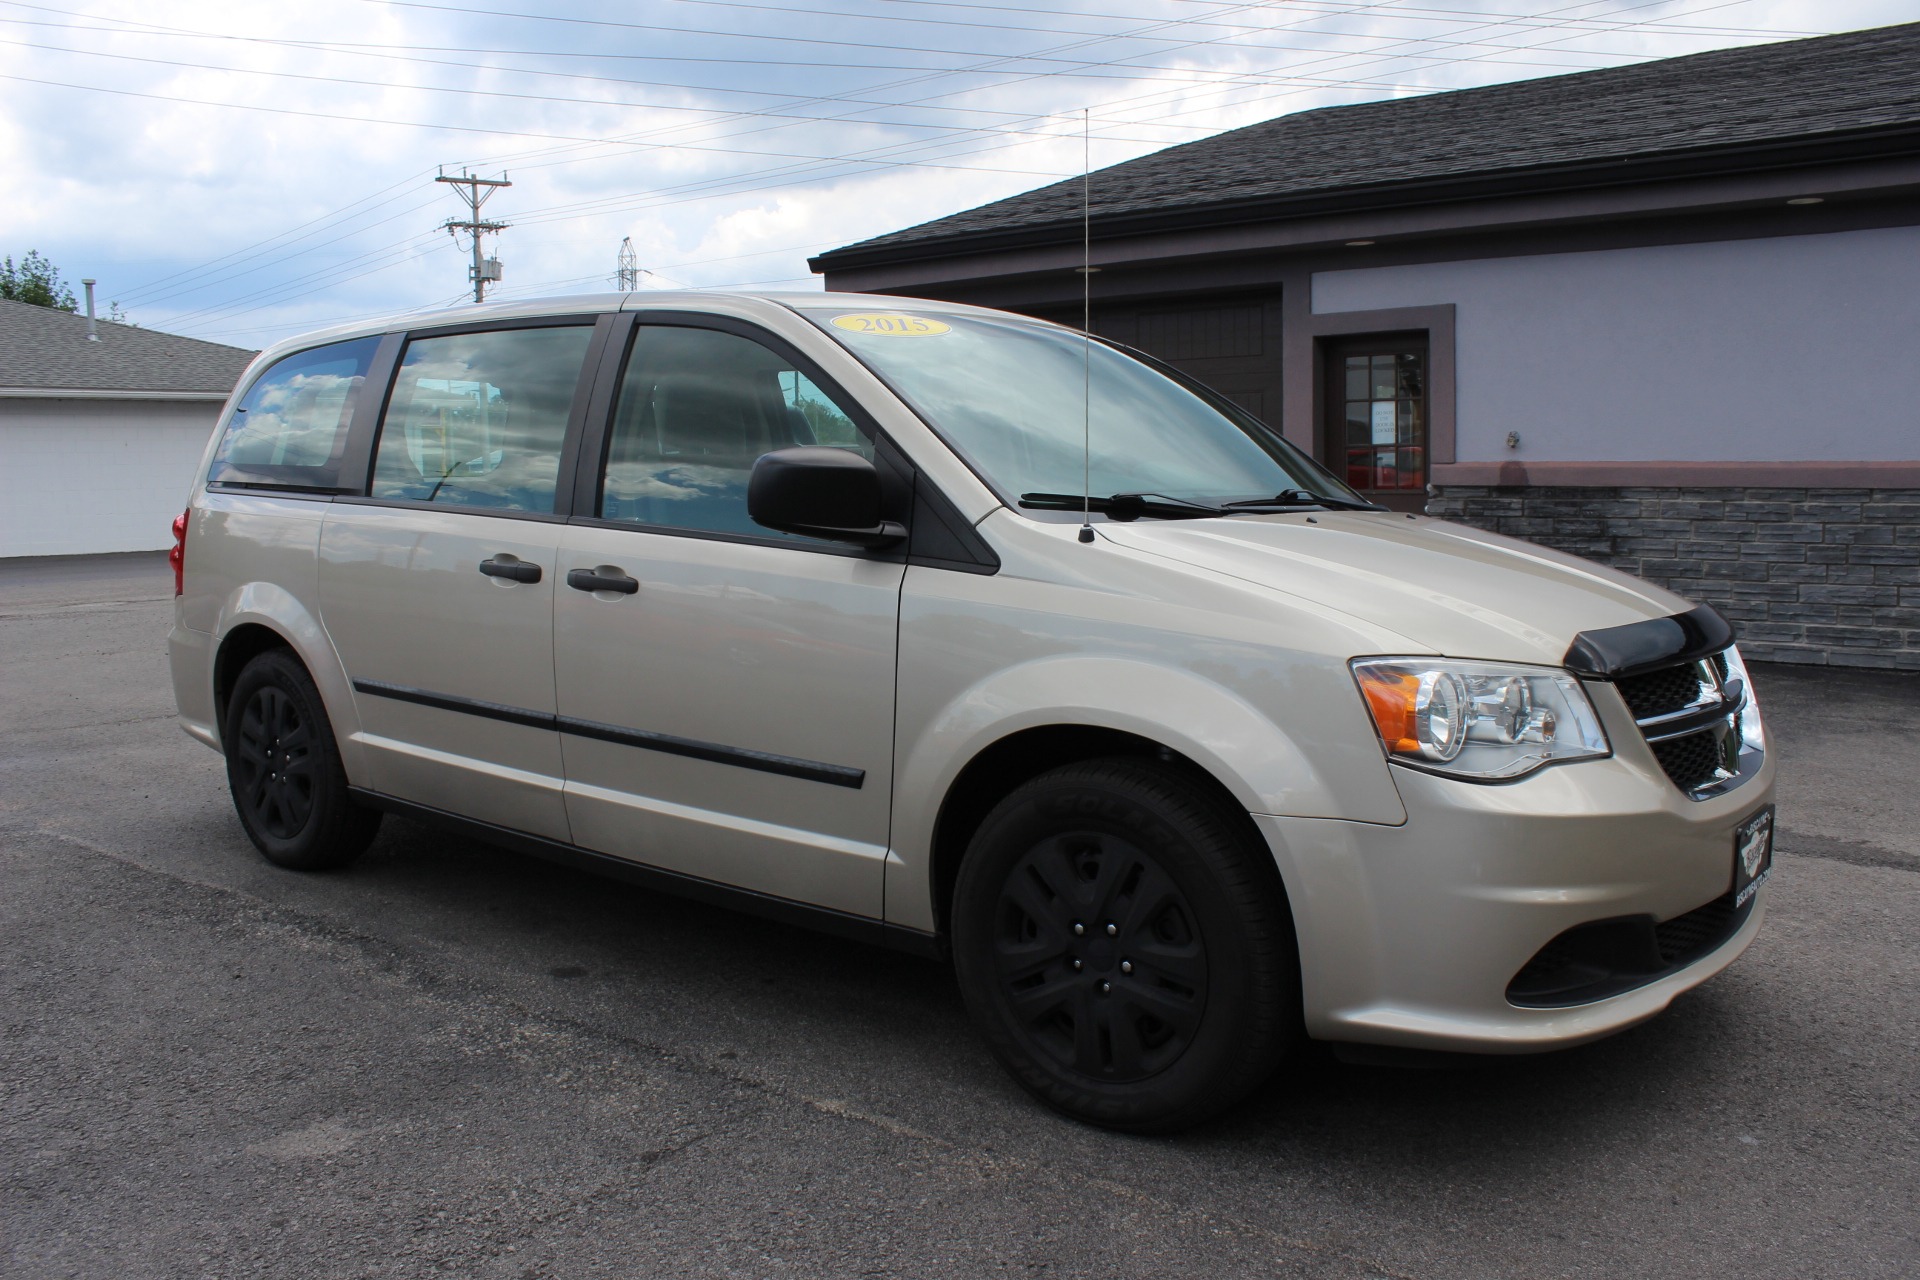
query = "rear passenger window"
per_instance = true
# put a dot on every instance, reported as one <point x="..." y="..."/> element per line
<point x="696" y="408"/>
<point x="477" y="419"/>
<point x="291" y="429"/>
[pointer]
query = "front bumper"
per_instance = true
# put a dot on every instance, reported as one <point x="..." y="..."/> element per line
<point x="1409" y="935"/>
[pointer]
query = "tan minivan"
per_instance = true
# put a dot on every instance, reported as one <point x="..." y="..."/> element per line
<point x="962" y="633"/>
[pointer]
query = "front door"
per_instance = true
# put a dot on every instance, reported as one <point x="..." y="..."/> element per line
<point x="725" y="692"/>
<point x="437" y="587"/>
<point x="1376" y="397"/>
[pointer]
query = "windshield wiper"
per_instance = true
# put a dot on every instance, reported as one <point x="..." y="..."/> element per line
<point x="1294" y="499"/>
<point x="1132" y="506"/>
<point x="1123" y="506"/>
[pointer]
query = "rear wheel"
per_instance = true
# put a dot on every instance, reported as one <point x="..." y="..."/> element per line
<point x="284" y="769"/>
<point x="1125" y="949"/>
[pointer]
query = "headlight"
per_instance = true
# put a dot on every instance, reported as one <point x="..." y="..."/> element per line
<point x="1486" y="721"/>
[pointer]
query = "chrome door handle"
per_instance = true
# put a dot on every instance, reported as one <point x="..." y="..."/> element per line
<point x="590" y="580"/>
<point x="513" y="570"/>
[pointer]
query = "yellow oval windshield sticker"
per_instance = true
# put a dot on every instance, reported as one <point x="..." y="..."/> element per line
<point x="891" y="324"/>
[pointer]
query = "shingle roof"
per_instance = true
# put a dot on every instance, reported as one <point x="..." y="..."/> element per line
<point x="1799" y="89"/>
<point x="42" y="348"/>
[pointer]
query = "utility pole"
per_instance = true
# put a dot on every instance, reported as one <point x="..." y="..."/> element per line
<point x="628" y="277"/>
<point x="484" y="269"/>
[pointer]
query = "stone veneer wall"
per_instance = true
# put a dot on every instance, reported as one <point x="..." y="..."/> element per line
<point x="1826" y="576"/>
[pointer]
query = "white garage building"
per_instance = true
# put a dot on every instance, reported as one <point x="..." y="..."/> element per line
<point x="99" y="436"/>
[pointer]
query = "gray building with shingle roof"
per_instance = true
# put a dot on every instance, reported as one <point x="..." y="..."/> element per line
<point x="1659" y="315"/>
<point x="99" y="435"/>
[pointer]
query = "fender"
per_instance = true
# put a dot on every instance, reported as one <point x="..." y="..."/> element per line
<point x="279" y="610"/>
<point x="1254" y="757"/>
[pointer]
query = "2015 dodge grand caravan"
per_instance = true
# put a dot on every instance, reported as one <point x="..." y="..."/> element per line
<point x="966" y="634"/>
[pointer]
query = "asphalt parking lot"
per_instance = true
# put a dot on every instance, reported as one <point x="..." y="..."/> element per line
<point x="455" y="1060"/>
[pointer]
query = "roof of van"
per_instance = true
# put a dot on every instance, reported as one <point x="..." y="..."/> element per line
<point x="597" y="303"/>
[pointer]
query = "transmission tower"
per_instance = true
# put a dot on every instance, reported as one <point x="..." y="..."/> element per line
<point x="627" y="278"/>
<point x="484" y="269"/>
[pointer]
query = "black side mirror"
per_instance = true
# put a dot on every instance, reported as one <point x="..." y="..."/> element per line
<point x="820" y="493"/>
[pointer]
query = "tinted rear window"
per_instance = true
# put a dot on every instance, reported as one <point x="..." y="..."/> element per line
<point x="291" y="429"/>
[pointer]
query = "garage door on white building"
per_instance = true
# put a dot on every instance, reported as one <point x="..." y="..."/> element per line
<point x="101" y="428"/>
<point x="79" y="476"/>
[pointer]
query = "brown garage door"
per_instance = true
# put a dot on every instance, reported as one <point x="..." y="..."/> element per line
<point x="1232" y="345"/>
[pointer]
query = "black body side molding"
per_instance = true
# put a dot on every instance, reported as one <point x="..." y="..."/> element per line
<point x="804" y="915"/>
<point x="1614" y="653"/>
<point x="447" y="702"/>
<point x="834" y="775"/>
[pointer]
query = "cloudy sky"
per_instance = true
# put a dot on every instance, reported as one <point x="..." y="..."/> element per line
<point x="244" y="171"/>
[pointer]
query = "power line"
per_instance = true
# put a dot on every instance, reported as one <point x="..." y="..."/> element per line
<point x="198" y="284"/>
<point x="605" y="204"/>
<point x="320" y="279"/>
<point x="1374" y="57"/>
<point x="246" y="252"/>
<point x="1540" y="22"/>
<point x="574" y="100"/>
<point x="460" y="128"/>
<point x="496" y="93"/>
<point x="361" y="48"/>
<point x="864" y="160"/>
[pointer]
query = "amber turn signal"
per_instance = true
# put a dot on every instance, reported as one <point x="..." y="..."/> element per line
<point x="1391" y="696"/>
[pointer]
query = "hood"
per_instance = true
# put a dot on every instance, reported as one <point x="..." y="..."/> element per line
<point x="1445" y="588"/>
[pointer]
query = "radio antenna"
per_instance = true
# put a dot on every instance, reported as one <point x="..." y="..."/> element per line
<point x="1086" y="329"/>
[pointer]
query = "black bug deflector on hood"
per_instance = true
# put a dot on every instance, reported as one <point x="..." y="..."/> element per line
<point x="1614" y="653"/>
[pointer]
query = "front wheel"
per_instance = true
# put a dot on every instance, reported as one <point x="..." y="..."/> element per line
<point x="284" y="769"/>
<point x="1124" y="946"/>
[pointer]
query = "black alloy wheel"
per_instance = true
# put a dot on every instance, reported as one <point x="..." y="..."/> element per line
<point x="284" y="769"/>
<point x="274" y="764"/>
<point x="1124" y="944"/>
<point x="1100" y="956"/>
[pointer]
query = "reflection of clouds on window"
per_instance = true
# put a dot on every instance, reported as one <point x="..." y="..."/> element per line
<point x="631" y="481"/>
<point x="294" y="422"/>
<point x="291" y="426"/>
<point x="477" y="419"/>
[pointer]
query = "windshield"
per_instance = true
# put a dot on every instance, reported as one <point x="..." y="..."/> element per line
<point x="1007" y="395"/>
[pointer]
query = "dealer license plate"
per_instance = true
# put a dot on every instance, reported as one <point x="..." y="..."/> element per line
<point x="1752" y="855"/>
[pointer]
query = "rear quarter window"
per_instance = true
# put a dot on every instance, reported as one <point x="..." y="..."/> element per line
<point x="290" y="430"/>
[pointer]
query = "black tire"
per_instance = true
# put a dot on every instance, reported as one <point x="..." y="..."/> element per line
<point x="1187" y="994"/>
<point x="284" y="770"/>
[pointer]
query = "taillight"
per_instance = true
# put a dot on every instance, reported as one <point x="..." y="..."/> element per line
<point x="178" y="556"/>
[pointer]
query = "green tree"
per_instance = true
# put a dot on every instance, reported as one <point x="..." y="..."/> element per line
<point x="35" y="281"/>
